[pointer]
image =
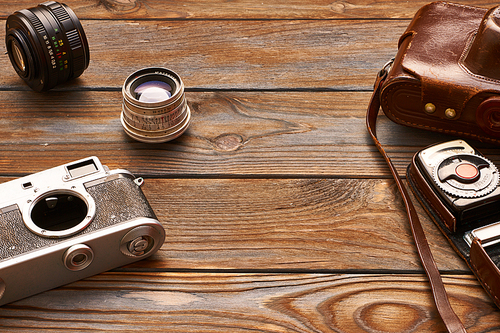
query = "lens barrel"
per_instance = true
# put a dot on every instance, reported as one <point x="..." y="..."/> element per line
<point x="154" y="105"/>
<point x="46" y="45"/>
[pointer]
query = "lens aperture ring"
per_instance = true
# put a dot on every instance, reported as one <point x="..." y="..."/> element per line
<point x="158" y="136"/>
<point x="43" y="73"/>
<point x="35" y="21"/>
<point x="145" y="131"/>
<point x="74" y="34"/>
<point x="57" y="9"/>
<point x="160" y="121"/>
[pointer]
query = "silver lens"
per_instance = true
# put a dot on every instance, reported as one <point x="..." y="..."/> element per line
<point x="154" y="106"/>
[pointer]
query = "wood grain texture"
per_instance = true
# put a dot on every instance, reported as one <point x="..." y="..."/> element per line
<point x="306" y="225"/>
<point x="205" y="302"/>
<point x="233" y="134"/>
<point x="242" y="9"/>
<point x="280" y="213"/>
<point x="283" y="54"/>
<point x="288" y="225"/>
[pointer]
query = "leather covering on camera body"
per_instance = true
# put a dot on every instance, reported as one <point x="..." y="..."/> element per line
<point x="446" y="75"/>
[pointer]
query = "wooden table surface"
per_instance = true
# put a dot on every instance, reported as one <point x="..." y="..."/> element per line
<point x="280" y="214"/>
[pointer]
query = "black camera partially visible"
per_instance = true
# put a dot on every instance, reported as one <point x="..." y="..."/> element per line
<point x="46" y="45"/>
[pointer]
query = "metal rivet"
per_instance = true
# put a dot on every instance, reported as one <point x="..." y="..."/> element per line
<point x="450" y="113"/>
<point x="430" y="108"/>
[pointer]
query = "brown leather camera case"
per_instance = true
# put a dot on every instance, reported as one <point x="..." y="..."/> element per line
<point x="446" y="75"/>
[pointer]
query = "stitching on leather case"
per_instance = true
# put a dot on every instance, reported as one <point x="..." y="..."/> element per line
<point x="436" y="129"/>
<point x="485" y="284"/>
<point x="450" y="4"/>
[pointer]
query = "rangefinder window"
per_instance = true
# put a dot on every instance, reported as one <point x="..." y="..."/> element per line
<point x="82" y="168"/>
<point x="58" y="212"/>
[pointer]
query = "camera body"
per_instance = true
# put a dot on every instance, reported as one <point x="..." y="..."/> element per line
<point x="446" y="74"/>
<point x="70" y="222"/>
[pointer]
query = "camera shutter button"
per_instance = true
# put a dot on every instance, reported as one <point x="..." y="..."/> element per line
<point x="140" y="241"/>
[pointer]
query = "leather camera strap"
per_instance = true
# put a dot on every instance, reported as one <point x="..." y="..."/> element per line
<point x="450" y="319"/>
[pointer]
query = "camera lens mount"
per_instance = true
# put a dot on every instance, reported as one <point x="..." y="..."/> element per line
<point x="59" y="213"/>
<point x="154" y="105"/>
<point x="46" y="45"/>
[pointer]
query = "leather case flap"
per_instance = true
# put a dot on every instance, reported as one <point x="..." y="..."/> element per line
<point x="486" y="270"/>
<point x="441" y="33"/>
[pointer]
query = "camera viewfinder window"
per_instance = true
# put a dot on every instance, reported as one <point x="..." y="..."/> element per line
<point x="82" y="168"/>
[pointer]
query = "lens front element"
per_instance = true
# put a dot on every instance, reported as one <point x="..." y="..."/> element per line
<point x="18" y="56"/>
<point x="153" y="92"/>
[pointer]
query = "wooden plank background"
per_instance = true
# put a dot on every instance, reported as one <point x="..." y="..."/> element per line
<point x="280" y="214"/>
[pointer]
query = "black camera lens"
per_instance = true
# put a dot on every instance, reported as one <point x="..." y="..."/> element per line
<point x="46" y="45"/>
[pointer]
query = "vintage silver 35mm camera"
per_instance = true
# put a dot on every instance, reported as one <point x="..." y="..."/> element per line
<point x="70" y="222"/>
